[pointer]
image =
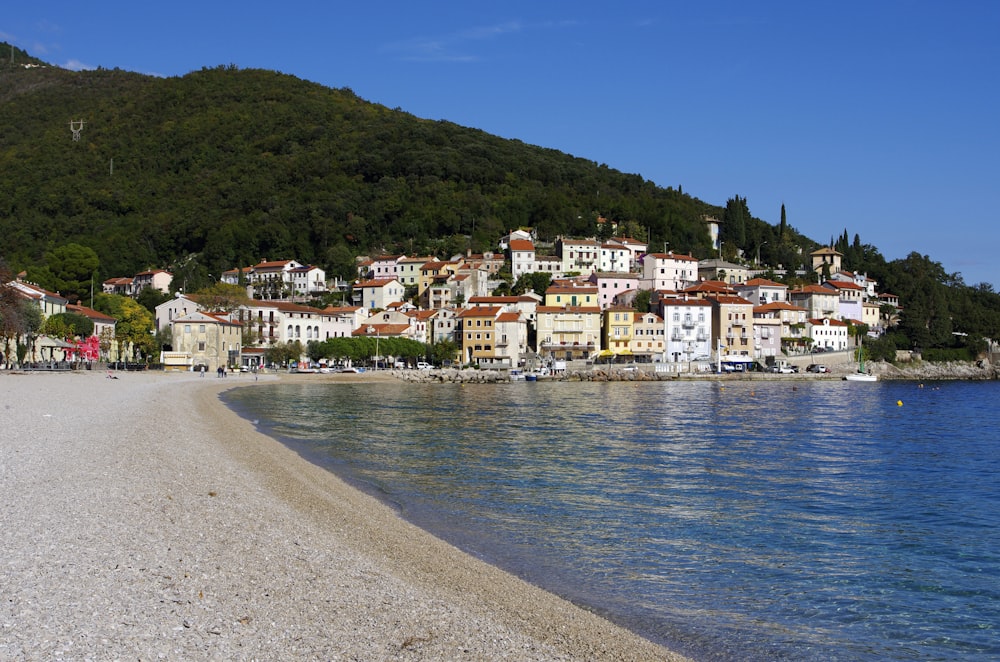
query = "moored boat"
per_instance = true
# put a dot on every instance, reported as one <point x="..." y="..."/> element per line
<point x="860" y="375"/>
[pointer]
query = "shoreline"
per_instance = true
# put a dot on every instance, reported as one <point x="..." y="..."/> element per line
<point x="148" y="519"/>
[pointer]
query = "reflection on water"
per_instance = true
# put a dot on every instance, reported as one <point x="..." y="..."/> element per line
<point x="745" y="520"/>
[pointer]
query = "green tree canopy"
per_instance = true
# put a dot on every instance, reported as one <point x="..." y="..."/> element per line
<point x="134" y="327"/>
<point x="68" y="325"/>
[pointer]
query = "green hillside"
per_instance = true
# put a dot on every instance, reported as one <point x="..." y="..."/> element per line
<point x="236" y="165"/>
<point x="224" y="167"/>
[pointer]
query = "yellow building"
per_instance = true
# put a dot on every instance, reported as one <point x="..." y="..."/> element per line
<point x="477" y="329"/>
<point x="618" y="331"/>
<point x="569" y="293"/>
<point x="732" y="325"/>
<point x="570" y="332"/>
<point x="648" y="336"/>
<point x="435" y="271"/>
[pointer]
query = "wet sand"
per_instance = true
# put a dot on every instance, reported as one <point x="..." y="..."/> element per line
<point x="143" y="519"/>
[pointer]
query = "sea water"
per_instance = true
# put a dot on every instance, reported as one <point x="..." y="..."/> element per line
<point x="799" y="520"/>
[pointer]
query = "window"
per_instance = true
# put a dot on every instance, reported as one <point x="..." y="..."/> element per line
<point x="201" y="328"/>
<point x="187" y="328"/>
<point x="201" y="346"/>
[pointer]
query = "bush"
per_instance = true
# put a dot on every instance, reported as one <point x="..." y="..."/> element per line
<point x="948" y="354"/>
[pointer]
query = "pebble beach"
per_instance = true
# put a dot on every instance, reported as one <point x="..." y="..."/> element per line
<point x="142" y="519"/>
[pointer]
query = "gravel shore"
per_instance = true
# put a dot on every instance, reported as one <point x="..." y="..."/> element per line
<point x="142" y="519"/>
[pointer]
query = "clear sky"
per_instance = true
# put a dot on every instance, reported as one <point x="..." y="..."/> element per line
<point x="877" y="117"/>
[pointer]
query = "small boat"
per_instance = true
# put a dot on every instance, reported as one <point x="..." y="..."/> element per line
<point x="531" y="377"/>
<point x="860" y="375"/>
<point x="517" y="375"/>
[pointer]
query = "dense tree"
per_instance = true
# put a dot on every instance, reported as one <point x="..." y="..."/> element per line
<point x="535" y="282"/>
<point x="133" y="330"/>
<point x="68" y="325"/>
<point x="641" y="302"/>
<point x="223" y="297"/>
<point x="444" y="351"/>
<point x="70" y="270"/>
<point x="28" y="321"/>
<point x="733" y="232"/>
<point x="150" y="297"/>
<point x="268" y="166"/>
<point x="283" y="354"/>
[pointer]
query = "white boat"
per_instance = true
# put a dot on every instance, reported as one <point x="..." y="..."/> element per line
<point x="860" y="375"/>
<point x="517" y="375"/>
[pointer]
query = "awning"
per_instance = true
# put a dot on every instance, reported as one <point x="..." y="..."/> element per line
<point x="46" y="341"/>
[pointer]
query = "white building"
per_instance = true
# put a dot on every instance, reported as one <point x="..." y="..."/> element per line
<point x="278" y="279"/>
<point x="614" y="258"/>
<point x="668" y="271"/>
<point x="578" y="255"/>
<point x="829" y="334"/>
<point x="158" y="279"/>
<point x="522" y="258"/>
<point x="380" y="292"/>
<point x="687" y="325"/>
<point x="761" y="291"/>
<point x="636" y="249"/>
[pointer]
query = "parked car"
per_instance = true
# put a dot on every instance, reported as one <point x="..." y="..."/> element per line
<point x="817" y="368"/>
<point x="423" y="365"/>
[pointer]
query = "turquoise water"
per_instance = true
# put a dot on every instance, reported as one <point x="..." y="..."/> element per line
<point x="736" y="521"/>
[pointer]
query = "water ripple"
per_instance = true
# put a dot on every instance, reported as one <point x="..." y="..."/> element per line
<point x="731" y="521"/>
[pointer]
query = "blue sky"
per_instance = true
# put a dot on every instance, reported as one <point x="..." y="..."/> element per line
<point x="876" y="117"/>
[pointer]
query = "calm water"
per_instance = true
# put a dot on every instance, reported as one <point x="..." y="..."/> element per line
<point x="753" y="520"/>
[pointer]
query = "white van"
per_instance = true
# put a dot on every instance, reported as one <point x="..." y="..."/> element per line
<point x="423" y="365"/>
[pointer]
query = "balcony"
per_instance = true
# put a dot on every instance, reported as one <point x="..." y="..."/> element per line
<point x="578" y="346"/>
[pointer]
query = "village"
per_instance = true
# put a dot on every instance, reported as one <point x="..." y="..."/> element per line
<point x="703" y="315"/>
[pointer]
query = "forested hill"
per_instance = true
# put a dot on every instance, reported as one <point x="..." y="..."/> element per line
<point x="224" y="167"/>
<point x="233" y="166"/>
